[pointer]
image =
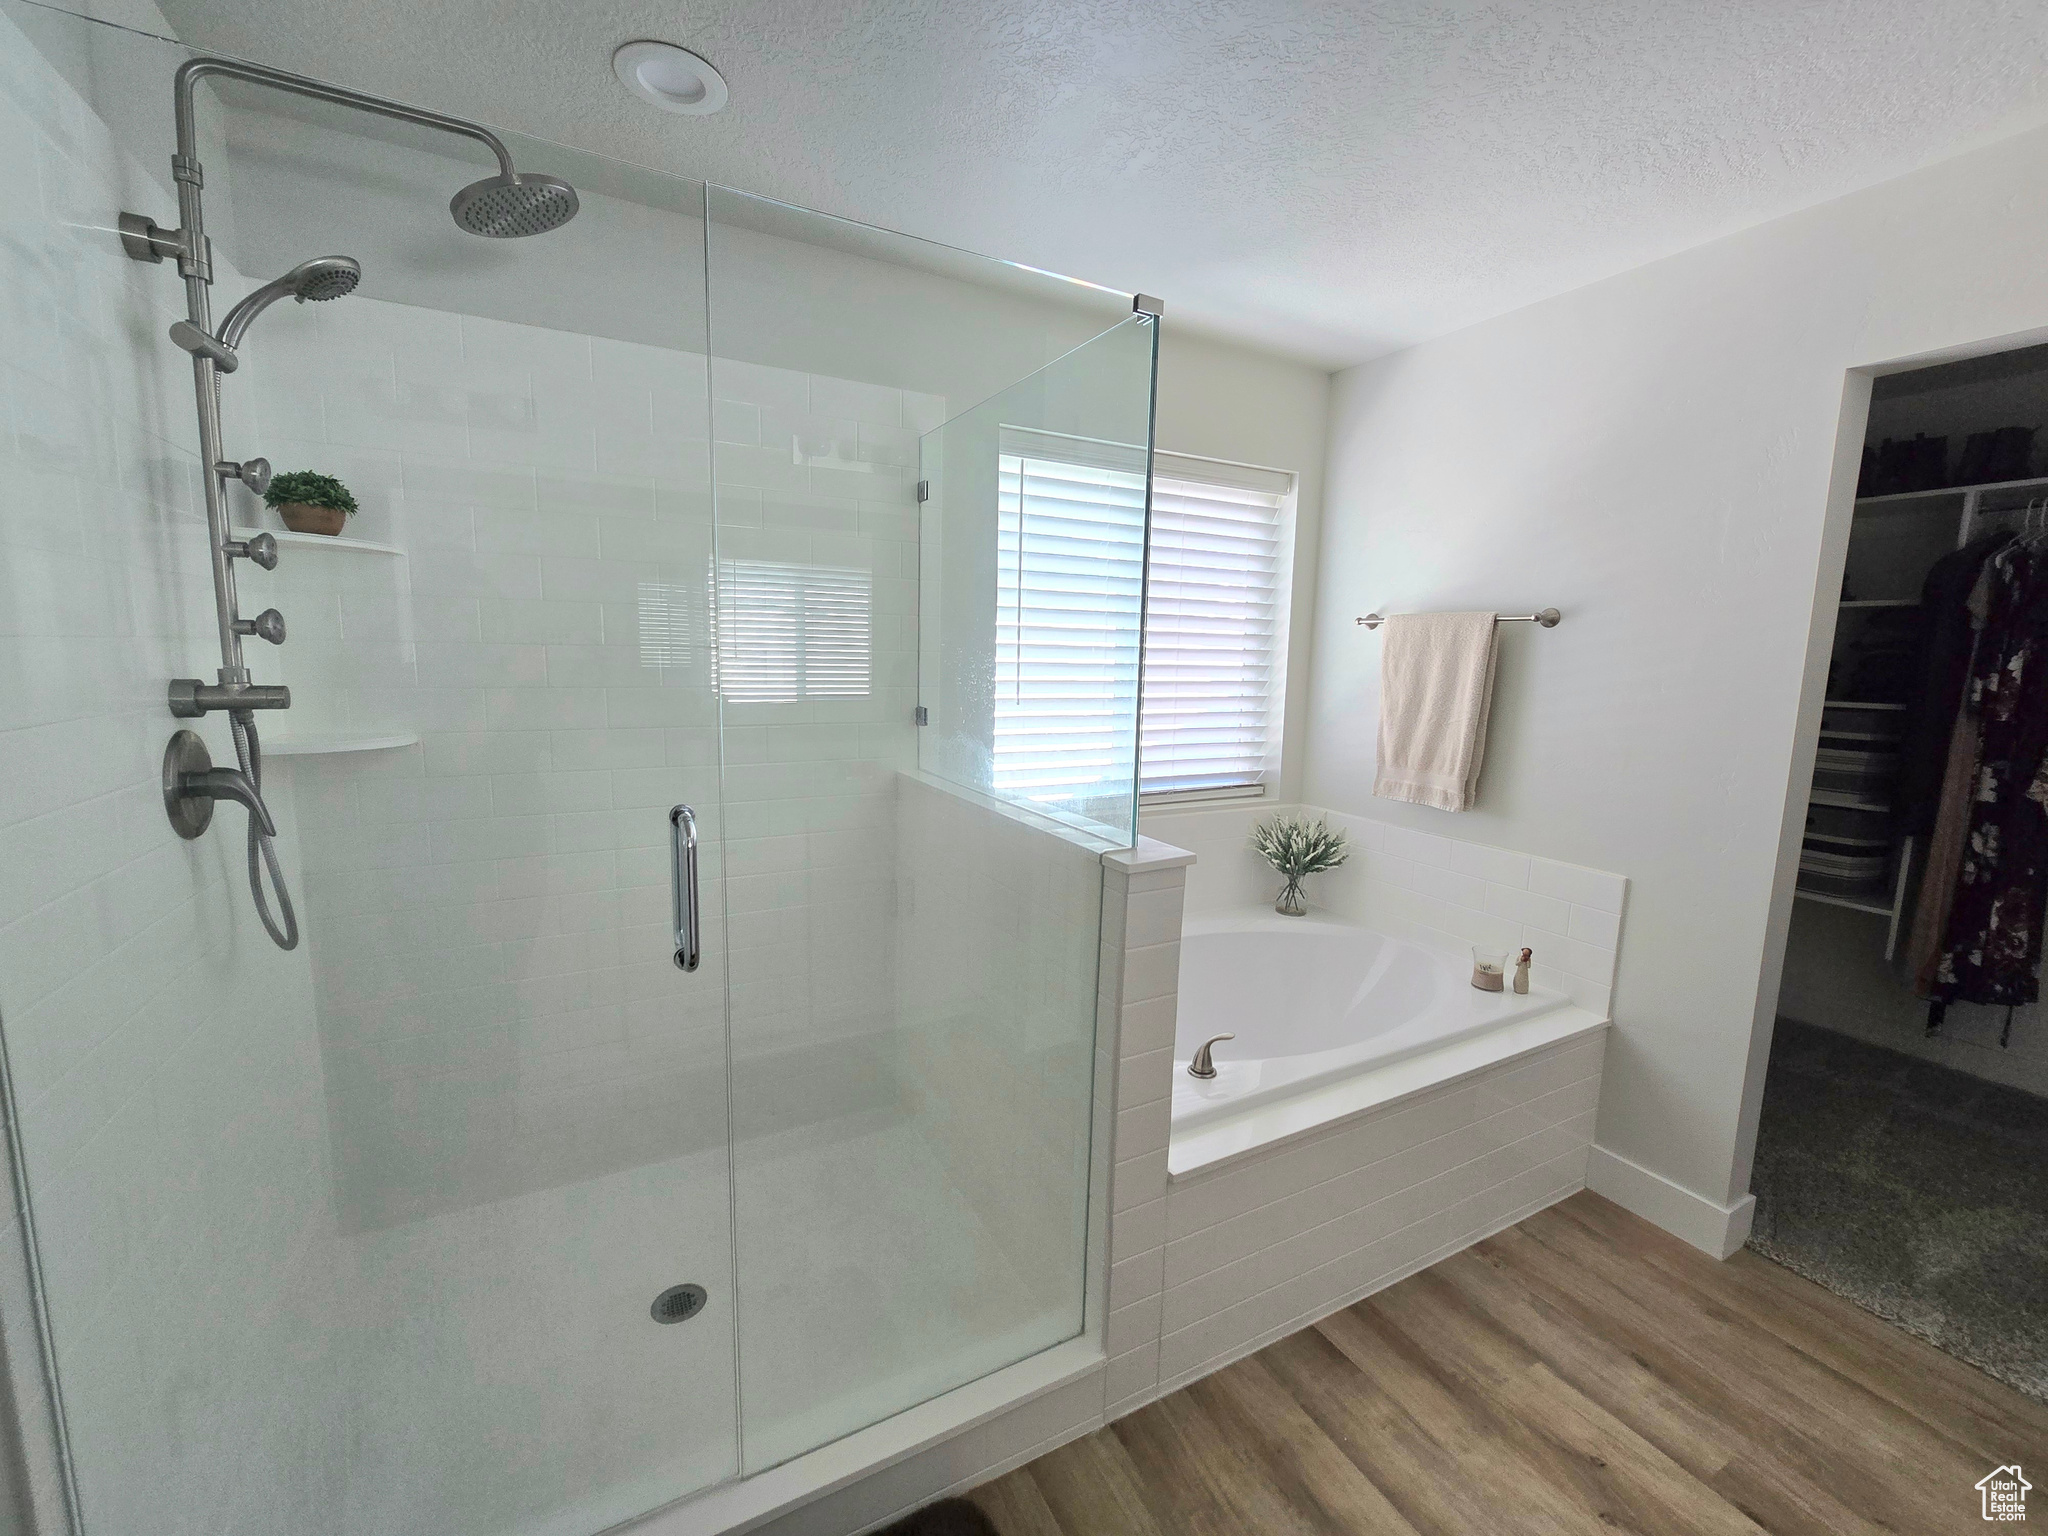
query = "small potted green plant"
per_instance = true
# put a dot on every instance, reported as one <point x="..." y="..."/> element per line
<point x="1297" y="848"/>
<point x="310" y="503"/>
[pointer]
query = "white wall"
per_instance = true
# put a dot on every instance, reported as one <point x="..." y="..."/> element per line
<point x="1657" y="455"/>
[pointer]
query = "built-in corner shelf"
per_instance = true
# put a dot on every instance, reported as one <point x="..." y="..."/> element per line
<point x="1880" y="602"/>
<point x="1852" y="704"/>
<point x="314" y="746"/>
<point x="320" y="541"/>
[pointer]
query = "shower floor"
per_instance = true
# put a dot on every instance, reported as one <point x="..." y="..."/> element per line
<point x="877" y="1285"/>
<point x="498" y="1359"/>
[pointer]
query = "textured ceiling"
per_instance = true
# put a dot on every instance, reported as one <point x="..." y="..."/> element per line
<point x="1331" y="180"/>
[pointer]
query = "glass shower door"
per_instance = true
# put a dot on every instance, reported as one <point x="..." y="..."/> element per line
<point x="912" y="956"/>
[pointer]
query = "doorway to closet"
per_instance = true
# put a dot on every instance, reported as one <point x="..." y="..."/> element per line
<point x="1905" y="1112"/>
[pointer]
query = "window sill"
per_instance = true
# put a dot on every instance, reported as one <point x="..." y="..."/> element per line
<point x="1202" y="796"/>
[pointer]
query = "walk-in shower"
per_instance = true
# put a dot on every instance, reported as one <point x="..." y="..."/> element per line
<point x="477" y="1213"/>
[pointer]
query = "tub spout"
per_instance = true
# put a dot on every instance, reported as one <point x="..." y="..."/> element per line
<point x="1202" y="1066"/>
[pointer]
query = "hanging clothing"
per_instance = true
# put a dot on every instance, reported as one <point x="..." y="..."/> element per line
<point x="1931" y="711"/>
<point x="1945" y="843"/>
<point x="1994" y="934"/>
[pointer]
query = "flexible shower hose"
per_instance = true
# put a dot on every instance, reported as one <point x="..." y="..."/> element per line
<point x="262" y="851"/>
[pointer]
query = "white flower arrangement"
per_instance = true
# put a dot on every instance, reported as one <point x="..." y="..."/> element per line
<point x="1297" y="848"/>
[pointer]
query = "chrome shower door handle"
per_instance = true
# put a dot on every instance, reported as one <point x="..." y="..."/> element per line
<point x="682" y="846"/>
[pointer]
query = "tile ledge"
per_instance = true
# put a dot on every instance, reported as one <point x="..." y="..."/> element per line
<point x="1149" y="854"/>
<point x="1265" y="1128"/>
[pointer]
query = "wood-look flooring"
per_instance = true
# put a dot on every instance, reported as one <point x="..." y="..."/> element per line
<point x="1582" y="1371"/>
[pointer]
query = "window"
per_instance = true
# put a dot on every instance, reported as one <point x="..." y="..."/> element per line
<point x="1070" y="518"/>
<point x="1070" y="532"/>
<point x="791" y="632"/>
<point x="1213" y="651"/>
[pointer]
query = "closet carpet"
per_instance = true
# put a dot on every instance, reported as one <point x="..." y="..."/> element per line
<point x="1919" y="1193"/>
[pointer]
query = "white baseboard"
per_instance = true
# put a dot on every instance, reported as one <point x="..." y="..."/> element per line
<point x="1706" y="1224"/>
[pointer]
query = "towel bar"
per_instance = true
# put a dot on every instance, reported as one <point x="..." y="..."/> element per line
<point x="1547" y="617"/>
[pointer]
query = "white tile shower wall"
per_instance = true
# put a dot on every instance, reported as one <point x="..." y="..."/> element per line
<point x="996" y="976"/>
<point x="165" y="1067"/>
<point x="488" y="909"/>
<point x="1140" y="919"/>
<point x="1424" y="886"/>
<point x="491" y="906"/>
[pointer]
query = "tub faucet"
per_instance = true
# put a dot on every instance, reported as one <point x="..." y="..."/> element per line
<point x="1202" y="1066"/>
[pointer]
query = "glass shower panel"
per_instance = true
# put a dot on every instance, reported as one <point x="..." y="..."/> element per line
<point x="1034" y="580"/>
<point x="401" y="1199"/>
<point x="912" y="967"/>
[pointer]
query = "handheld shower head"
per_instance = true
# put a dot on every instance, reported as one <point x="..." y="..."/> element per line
<point x="324" y="278"/>
<point x="513" y="204"/>
<point x="318" y="280"/>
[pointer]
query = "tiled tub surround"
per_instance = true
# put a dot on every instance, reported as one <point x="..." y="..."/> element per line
<point x="1427" y="1157"/>
<point x="1411" y="884"/>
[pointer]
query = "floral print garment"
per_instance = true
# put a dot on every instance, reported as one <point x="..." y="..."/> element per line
<point x="1993" y="947"/>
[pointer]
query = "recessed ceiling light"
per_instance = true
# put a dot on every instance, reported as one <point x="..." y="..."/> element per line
<point x="671" y="78"/>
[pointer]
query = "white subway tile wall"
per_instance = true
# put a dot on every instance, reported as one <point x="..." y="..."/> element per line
<point x="1140" y="977"/>
<point x="488" y="910"/>
<point x="490" y="907"/>
<point x="1259" y="1249"/>
<point x="163" y="1056"/>
<point x="915" y="1215"/>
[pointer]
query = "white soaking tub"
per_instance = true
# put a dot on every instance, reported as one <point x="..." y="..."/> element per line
<point x="1316" y="1000"/>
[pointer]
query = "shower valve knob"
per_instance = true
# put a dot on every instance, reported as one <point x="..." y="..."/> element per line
<point x="267" y="625"/>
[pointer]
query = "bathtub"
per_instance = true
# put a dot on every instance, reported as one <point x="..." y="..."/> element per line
<point x="1314" y="1000"/>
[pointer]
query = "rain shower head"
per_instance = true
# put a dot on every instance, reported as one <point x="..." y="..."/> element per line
<point x="318" y="280"/>
<point x="508" y="205"/>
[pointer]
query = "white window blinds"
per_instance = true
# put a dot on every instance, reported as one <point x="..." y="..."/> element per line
<point x="1070" y="528"/>
<point x="1213" y="633"/>
<point x="789" y="632"/>
<point x="1069" y="573"/>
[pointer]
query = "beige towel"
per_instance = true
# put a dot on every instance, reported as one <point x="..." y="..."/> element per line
<point x="1436" y="686"/>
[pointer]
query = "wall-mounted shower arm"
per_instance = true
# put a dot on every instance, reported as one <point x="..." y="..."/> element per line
<point x="192" y="71"/>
